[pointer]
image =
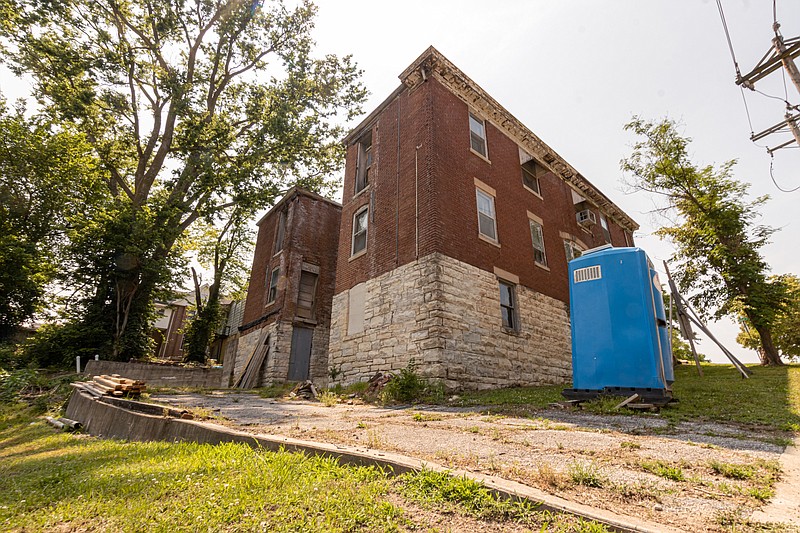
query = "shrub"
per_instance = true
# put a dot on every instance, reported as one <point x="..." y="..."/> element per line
<point x="408" y="386"/>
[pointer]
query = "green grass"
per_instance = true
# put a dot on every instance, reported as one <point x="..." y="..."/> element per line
<point x="440" y="489"/>
<point x="51" y="480"/>
<point x="665" y="470"/>
<point x="588" y="475"/>
<point x="769" y="399"/>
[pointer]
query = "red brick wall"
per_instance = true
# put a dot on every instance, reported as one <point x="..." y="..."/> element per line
<point x="311" y="236"/>
<point x="437" y="121"/>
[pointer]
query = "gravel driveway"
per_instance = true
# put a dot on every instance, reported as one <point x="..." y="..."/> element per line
<point x="698" y="477"/>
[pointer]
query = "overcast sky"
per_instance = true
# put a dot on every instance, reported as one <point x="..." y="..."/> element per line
<point x="575" y="71"/>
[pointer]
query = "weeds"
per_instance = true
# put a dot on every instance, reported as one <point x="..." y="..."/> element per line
<point x="328" y="398"/>
<point x="588" y="475"/>
<point x="550" y="477"/>
<point x="662" y="469"/>
<point x="733" y="471"/>
<point x="427" y="486"/>
<point x="630" y="445"/>
<point x="426" y="417"/>
<point x="409" y="387"/>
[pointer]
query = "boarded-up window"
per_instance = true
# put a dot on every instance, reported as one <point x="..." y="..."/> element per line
<point x="355" y="309"/>
<point x="280" y="233"/>
<point x="305" y="294"/>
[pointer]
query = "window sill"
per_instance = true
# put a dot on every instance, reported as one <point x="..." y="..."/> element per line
<point x="480" y="155"/>
<point x="536" y="194"/>
<point x="302" y="320"/>
<point x="511" y="331"/>
<point x="357" y="254"/>
<point x="362" y="191"/>
<point x="484" y="238"/>
<point x="543" y="267"/>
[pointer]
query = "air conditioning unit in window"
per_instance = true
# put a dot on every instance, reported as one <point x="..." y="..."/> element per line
<point x="586" y="218"/>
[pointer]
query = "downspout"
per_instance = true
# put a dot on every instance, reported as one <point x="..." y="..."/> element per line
<point x="416" y="201"/>
<point x="397" y="194"/>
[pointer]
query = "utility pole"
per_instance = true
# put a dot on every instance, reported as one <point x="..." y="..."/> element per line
<point x="782" y="54"/>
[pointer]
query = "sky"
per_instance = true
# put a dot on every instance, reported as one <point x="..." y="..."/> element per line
<point x="575" y="71"/>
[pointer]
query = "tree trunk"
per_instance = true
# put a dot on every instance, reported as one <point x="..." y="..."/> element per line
<point x="769" y="354"/>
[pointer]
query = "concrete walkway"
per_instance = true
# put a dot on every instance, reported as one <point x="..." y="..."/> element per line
<point x="785" y="505"/>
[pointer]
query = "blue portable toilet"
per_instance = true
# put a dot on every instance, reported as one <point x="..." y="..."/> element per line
<point x="620" y="341"/>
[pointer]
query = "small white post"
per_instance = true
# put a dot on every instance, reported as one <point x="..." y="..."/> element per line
<point x="97" y="357"/>
<point x="78" y="364"/>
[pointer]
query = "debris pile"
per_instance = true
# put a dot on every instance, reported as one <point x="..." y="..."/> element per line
<point x="114" y="385"/>
<point x="376" y="383"/>
<point x="305" y="390"/>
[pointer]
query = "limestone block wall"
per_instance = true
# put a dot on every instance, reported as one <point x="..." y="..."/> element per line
<point x="397" y="322"/>
<point x="445" y="314"/>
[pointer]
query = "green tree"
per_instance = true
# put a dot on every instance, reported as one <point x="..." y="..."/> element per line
<point x="191" y="107"/>
<point x="49" y="179"/>
<point x="226" y="251"/>
<point x="786" y="328"/>
<point x="717" y="243"/>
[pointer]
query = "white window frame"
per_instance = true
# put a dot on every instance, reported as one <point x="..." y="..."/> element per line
<point x="365" y="212"/>
<point x="490" y="216"/>
<point x="537" y="229"/>
<point x="479" y="134"/>
<point x="570" y="247"/>
<point x="604" y="228"/>
<point x="272" y="285"/>
<point x="534" y="176"/>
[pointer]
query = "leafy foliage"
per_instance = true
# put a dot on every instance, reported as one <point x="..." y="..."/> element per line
<point x="49" y="179"/>
<point x="409" y="386"/>
<point x="786" y="329"/>
<point x="191" y="108"/>
<point x="717" y="242"/>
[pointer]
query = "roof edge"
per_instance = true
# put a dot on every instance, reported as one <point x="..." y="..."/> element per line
<point x="290" y="194"/>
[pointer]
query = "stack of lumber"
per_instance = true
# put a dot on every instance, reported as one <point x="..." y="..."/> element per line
<point x="114" y="385"/>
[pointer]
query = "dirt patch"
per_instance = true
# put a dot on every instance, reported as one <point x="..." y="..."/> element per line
<point x="704" y="476"/>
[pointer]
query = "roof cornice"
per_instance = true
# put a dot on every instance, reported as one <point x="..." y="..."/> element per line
<point x="433" y="63"/>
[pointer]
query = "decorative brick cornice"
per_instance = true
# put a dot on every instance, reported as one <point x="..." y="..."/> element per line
<point x="433" y="64"/>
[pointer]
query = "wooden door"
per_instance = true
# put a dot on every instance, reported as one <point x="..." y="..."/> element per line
<point x="300" y="357"/>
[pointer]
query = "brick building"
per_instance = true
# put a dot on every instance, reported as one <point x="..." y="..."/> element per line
<point x="457" y="223"/>
<point x="287" y="313"/>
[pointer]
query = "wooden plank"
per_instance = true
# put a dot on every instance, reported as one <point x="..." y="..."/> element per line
<point x="629" y="399"/>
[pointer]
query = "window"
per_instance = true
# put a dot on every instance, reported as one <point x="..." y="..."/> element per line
<point x="477" y="135"/>
<point x="604" y="226"/>
<point x="280" y="233"/>
<point x="487" y="223"/>
<point x="272" y="286"/>
<point x="508" y="306"/>
<point x="364" y="162"/>
<point x="305" y="294"/>
<point x="572" y="250"/>
<point x="360" y="231"/>
<point x="537" y="236"/>
<point x="530" y="176"/>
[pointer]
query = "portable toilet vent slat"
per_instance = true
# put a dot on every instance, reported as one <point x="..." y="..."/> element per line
<point x="620" y="342"/>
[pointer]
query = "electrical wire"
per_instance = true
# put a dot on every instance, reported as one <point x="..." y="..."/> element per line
<point x="747" y="111"/>
<point x="728" y="37"/>
<point x="771" y="160"/>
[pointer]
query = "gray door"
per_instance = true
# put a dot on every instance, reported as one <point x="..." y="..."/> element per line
<point x="300" y="357"/>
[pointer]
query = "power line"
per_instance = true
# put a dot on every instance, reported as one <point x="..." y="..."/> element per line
<point x="771" y="160"/>
<point x="728" y="37"/>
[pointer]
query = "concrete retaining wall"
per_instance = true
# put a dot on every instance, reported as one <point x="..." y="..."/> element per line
<point x="160" y="375"/>
<point x="115" y="421"/>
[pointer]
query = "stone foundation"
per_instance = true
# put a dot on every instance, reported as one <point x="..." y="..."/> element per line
<point x="445" y="315"/>
<point x="275" y="368"/>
